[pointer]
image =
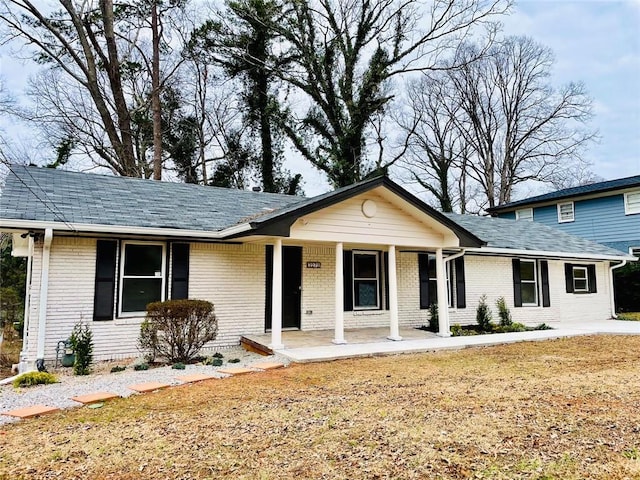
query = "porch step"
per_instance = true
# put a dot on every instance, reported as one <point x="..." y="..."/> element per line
<point x="255" y="347"/>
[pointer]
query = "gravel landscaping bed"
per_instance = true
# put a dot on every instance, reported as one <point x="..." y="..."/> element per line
<point x="101" y="380"/>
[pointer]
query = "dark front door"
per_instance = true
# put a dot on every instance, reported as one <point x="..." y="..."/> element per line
<point x="291" y="286"/>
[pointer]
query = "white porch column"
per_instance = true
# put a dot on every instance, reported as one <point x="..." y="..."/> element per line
<point x="394" y="327"/>
<point x="338" y="336"/>
<point x="276" y="300"/>
<point x="44" y="292"/>
<point x="443" y="304"/>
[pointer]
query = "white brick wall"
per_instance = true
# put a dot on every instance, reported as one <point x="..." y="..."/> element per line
<point x="493" y="276"/>
<point x="232" y="276"/>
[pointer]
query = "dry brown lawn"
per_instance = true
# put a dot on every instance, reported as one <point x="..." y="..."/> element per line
<point x="563" y="409"/>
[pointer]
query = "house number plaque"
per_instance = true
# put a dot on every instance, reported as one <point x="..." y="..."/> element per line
<point x="314" y="265"/>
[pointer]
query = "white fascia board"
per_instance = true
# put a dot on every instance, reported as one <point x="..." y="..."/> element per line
<point x="10" y="225"/>
<point x="543" y="253"/>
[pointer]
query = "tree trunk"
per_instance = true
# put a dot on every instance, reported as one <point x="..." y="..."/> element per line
<point x="155" y="93"/>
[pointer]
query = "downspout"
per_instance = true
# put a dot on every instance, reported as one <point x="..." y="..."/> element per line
<point x="44" y="291"/>
<point x="453" y="257"/>
<point x="612" y="296"/>
<point x="24" y="365"/>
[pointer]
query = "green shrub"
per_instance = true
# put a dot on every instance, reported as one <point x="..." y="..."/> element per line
<point x="178" y="366"/>
<point x="213" y="361"/>
<point x="456" y="330"/>
<point x="82" y="343"/>
<point x="177" y="329"/>
<point x="34" y="378"/>
<point x="118" y="368"/>
<point x="434" y="324"/>
<point x="513" y="327"/>
<point x="141" y="366"/>
<point x="234" y="360"/>
<point x="483" y="315"/>
<point x="218" y="355"/>
<point x="503" y="312"/>
<point x="543" y="326"/>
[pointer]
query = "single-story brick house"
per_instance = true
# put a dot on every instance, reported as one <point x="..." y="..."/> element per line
<point x="100" y="248"/>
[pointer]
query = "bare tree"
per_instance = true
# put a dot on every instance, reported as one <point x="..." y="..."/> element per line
<point x="517" y="124"/>
<point x="343" y="56"/>
<point x="437" y="151"/>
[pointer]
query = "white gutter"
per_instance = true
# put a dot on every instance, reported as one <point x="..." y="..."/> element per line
<point x="453" y="257"/>
<point x="545" y="253"/>
<point x="611" y="292"/>
<point x="44" y="292"/>
<point x="23" y="366"/>
<point x="123" y="229"/>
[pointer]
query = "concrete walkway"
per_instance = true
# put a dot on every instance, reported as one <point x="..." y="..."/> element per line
<point x="328" y="352"/>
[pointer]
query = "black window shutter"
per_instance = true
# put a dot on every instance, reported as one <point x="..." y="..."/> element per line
<point x="347" y="280"/>
<point x="568" y="277"/>
<point x="105" y="279"/>
<point x="179" y="271"/>
<point x="591" y="273"/>
<point x="423" y="274"/>
<point x="544" y="273"/>
<point x="517" y="289"/>
<point x="461" y="295"/>
<point x="268" y="281"/>
<point x="385" y="258"/>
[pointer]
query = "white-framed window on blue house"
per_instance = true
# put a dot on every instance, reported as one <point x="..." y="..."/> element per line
<point x="142" y="275"/>
<point x="525" y="214"/>
<point x="566" y="212"/>
<point x="632" y="203"/>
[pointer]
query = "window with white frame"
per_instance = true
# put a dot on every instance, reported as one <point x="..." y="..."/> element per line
<point x="635" y="251"/>
<point x="524" y="214"/>
<point x="433" y="281"/>
<point x="580" y="279"/>
<point x="528" y="282"/>
<point x="632" y="203"/>
<point x="366" y="280"/>
<point x="142" y="275"/>
<point x="565" y="212"/>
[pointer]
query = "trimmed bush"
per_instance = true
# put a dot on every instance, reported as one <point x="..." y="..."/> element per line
<point x="34" y="378"/>
<point x="503" y="312"/>
<point x="177" y="329"/>
<point x="483" y="315"/>
<point x="82" y="343"/>
<point x="456" y="330"/>
<point x="178" y="366"/>
<point x="234" y="360"/>
<point x="118" y="368"/>
<point x="141" y="367"/>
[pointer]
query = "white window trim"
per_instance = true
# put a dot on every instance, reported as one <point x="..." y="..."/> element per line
<point x="449" y="282"/>
<point x="627" y="206"/>
<point x="586" y="278"/>
<point x="376" y="254"/>
<point x="534" y="282"/>
<point x="121" y="274"/>
<point x="527" y="218"/>
<point x="573" y="213"/>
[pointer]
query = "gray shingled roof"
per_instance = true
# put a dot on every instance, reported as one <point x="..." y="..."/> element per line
<point x="592" y="188"/>
<point x="524" y="235"/>
<point x="43" y="194"/>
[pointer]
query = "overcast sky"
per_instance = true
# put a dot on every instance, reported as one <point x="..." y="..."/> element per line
<point x="596" y="42"/>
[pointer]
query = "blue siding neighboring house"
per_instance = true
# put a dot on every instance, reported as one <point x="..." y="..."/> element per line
<point x="605" y="212"/>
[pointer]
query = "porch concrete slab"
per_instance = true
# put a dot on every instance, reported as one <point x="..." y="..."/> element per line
<point x="267" y="365"/>
<point x="95" y="397"/>
<point x="195" y="377"/>
<point x="148" y="387"/>
<point x="29" y="412"/>
<point x="237" y="370"/>
<point x="328" y="352"/>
